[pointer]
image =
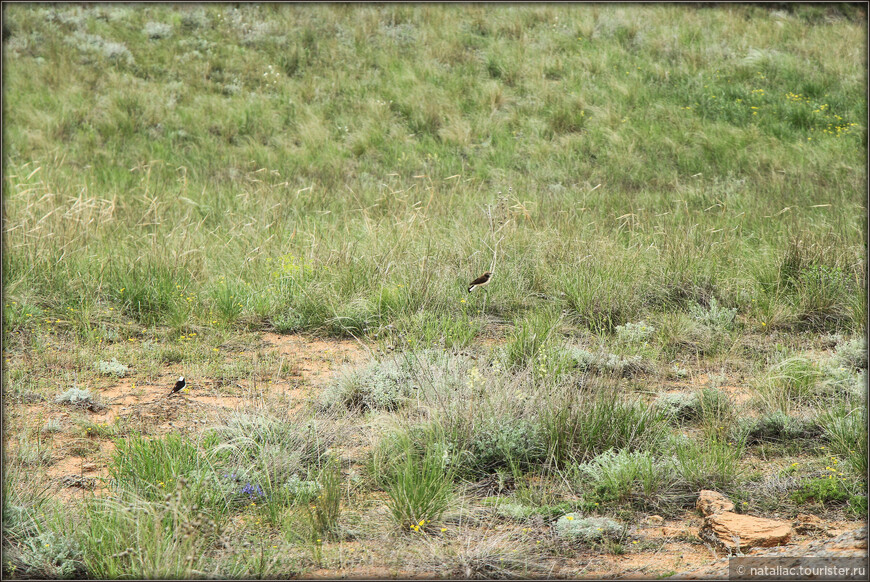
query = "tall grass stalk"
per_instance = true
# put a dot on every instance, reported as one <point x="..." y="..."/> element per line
<point x="420" y="488"/>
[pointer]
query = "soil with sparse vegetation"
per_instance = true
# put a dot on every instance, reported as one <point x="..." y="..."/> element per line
<point x="285" y="204"/>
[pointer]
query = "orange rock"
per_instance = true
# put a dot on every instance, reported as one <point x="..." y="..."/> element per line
<point x="732" y="529"/>
<point x="711" y="502"/>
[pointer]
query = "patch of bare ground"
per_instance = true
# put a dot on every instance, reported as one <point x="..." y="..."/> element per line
<point x="657" y="547"/>
<point x="317" y="359"/>
<point x="663" y="549"/>
<point x="79" y="463"/>
<point x="484" y="552"/>
<point x="79" y="466"/>
<point x="730" y="384"/>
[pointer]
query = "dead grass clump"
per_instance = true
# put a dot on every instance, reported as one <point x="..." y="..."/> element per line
<point x="492" y="556"/>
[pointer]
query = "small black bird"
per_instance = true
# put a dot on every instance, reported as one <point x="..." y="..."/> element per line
<point x="480" y="281"/>
<point x="179" y="386"/>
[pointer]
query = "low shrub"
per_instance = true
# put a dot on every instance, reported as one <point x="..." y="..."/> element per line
<point x="78" y="397"/>
<point x="634" y="333"/>
<point x="604" y="363"/>
<point x="575" y="527"/>
<point x="678" y="406"/>
<point x="775" y="427"/>
<point x="386" y="384"/>
<point x="634" y="477"/>
<point x="48" y="555"/>
<point x="852" y="354"/>
<point x="709" y="464"/>
<point x="823" y="490"/>
<point x="710" y="405"/>
<point x="715" y="316"/>
<point x="112" y="368"/>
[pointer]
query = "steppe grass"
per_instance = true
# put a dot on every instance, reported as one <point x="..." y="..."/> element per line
<point x="845" y="429"/>
<point x="128" y="537"/>
<point x="491" y="419"/>
<point x="151" y="468"/>
<point x="625" y="477"/>
<point x="654" y="202"/>
<point x="272" y="168"/>
<point x="322" y="511"/>
<point x="712" y="463"/>
<point x="419" y="487"/>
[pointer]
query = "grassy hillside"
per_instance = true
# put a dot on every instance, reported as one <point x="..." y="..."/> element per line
<point x="307" y="161"/>
<point x="668" y="195"/>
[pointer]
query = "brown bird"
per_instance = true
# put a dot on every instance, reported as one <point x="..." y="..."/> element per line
<point x="480" y="281"/>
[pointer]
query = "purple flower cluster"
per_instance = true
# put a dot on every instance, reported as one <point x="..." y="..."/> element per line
<point x="252" y="490"/>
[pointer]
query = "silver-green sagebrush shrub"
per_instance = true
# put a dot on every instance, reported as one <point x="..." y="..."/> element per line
<point x="851" y="354"/>
<point x="112" y="368"/>
<point x="501" y="442"/>
<point x="841" y="381"/>
<point x="715" y="316"/>
<point x="379" y="386"/>
<point x="32" y="548"/>
<point x="116" y="52"/>
<point x="575" y="527"/>
<point x="624" y="366"/>
<point x="48" y="555"/>
<point x="635" y="346"/>
<point x="619" y="476"/>
<point x="52" y="426"/>
<point x="387" y="384"/>
<point x="77" y="397"/>
<point x="515" y="511"/>
<point x="157" y="30"/>
<point x="603" y="363"/>
<point x="302" y="490"/>
<point x="634" y="333"/>
<point x="583" y="360"/>
<point x="844" y="374"/>
<point x="775" y="427"/>
<point x="678" y="406"/>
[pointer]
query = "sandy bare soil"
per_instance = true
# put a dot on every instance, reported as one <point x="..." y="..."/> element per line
<point x="79" y="464"/>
